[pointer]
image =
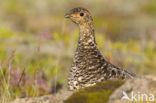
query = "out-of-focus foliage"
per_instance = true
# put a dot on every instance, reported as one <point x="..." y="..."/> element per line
<point x="37" y="44"/>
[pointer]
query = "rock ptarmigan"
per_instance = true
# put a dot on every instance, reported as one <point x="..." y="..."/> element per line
<point x="89" y="67"/>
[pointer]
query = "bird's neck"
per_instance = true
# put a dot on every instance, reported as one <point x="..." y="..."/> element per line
<point x="86" y="33"/>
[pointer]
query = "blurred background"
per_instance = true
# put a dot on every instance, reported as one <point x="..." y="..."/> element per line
<point x="37" y="43"/>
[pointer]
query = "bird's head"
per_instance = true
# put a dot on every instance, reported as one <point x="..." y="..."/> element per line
<point x="79" y="16"/>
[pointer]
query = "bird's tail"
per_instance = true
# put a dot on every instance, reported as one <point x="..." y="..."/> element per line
<point x="120" y="73"/>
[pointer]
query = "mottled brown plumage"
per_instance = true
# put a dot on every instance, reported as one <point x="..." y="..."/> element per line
<point x="89" y="66"/>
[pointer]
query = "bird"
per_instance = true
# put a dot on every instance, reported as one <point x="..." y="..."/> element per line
<point x="89" y="66"/>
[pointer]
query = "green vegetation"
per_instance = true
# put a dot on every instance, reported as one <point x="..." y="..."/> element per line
<point x="99" y="93"/>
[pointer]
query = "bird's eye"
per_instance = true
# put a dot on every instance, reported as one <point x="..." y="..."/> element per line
<point x="81" y="14"/>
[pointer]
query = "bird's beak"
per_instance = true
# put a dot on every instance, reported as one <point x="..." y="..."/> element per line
<point x="67" y="15"/>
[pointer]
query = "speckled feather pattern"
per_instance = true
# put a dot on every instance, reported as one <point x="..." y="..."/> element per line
<point x="89" y="66"/>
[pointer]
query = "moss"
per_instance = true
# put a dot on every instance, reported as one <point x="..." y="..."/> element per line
<point x="96" y="94"/>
